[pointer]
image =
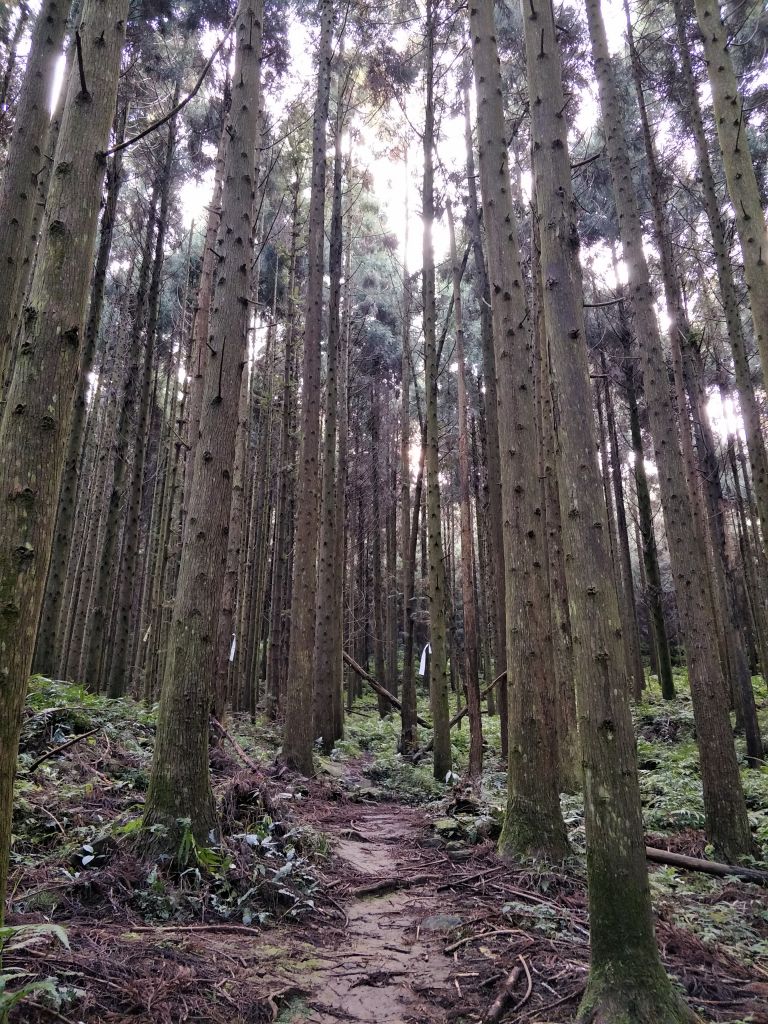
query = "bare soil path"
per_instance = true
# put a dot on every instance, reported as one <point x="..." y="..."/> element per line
<point x="388" y="965"/>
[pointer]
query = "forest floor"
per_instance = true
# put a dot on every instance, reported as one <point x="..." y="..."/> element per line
<point x="371" y="893"/>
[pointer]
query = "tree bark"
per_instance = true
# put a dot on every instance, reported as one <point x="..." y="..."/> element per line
<point x="26" y="155"/>
<point x="728" y="109"/>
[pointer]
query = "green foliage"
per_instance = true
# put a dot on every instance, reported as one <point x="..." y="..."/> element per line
<point x="15" y="939"/>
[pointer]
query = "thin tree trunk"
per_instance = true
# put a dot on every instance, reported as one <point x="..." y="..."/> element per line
<point x="328" y="624"/>
<point x="441" y="752"/>
<point x="493" y="476"/>
<point x="471" y="680"/>
<point x="298" y="736"/>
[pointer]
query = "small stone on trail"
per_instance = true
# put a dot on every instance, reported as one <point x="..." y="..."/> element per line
<point x="441" y="923"/>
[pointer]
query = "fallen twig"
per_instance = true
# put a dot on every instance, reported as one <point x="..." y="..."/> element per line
<point x="495" y="1010"/>
<point x="196" y="928"/>
<point x="391" y="884"/>
<point x="470" y="878"/>
<point x="62" y="746"/>
<point x="482" y="935"/>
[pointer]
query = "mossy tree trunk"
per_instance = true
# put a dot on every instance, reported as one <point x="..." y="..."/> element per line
<point x="35" y="422"/>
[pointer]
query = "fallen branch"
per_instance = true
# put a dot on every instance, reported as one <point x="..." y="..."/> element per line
<point x="197" y="928"/>
<point x="63" y="746"/>
<point x="470" y="878"/>
<point x="238" y="749"/>
<point x="708" y="867"/>
<point x="460" y="714"/>
<point x="377" y="687"/>
<point x="482" y="935"/>
<point x="495" y="1010"/>
<point x="390" y="885"/>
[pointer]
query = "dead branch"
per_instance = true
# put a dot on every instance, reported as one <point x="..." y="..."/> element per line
<point x="708" y="867"/>
<point x="63" y="746"/>
<point x="377" y="687"/>
<point x="495" y="1010"/>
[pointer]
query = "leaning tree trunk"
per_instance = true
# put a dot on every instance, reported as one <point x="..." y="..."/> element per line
<point x="180" y="786"/>
<point x="726" y="812"/>
<point x="298" y="735"/>
<point x="533" y="825"/>
<point x="626" y="980"/>
<point x="26" y="154"/>
<point x="35" y="422"/>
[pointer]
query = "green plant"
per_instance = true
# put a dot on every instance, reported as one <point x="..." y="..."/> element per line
<point x="15" y="939"/>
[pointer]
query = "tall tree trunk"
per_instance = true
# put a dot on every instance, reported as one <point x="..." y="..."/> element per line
<point x="281" y="553"/>
<point x="533" y="824"/>
<point x="438" y="681"/>
<point x="493" y="476"/>
<point x="726" y="813"/>
<point x="328" y="625"/>
<point x="26" y="155"/>
<point x="471" y="680"/>
<point x="298" y="735"/>
<point x="650" y="554"/>
<point x="35" y="422"/>
<point x="626" y="979"/>
<point x="179" y="786"/>
<point x="408" y="726"/>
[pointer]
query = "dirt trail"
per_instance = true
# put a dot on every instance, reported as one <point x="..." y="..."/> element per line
<point x="388" y="966"/>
